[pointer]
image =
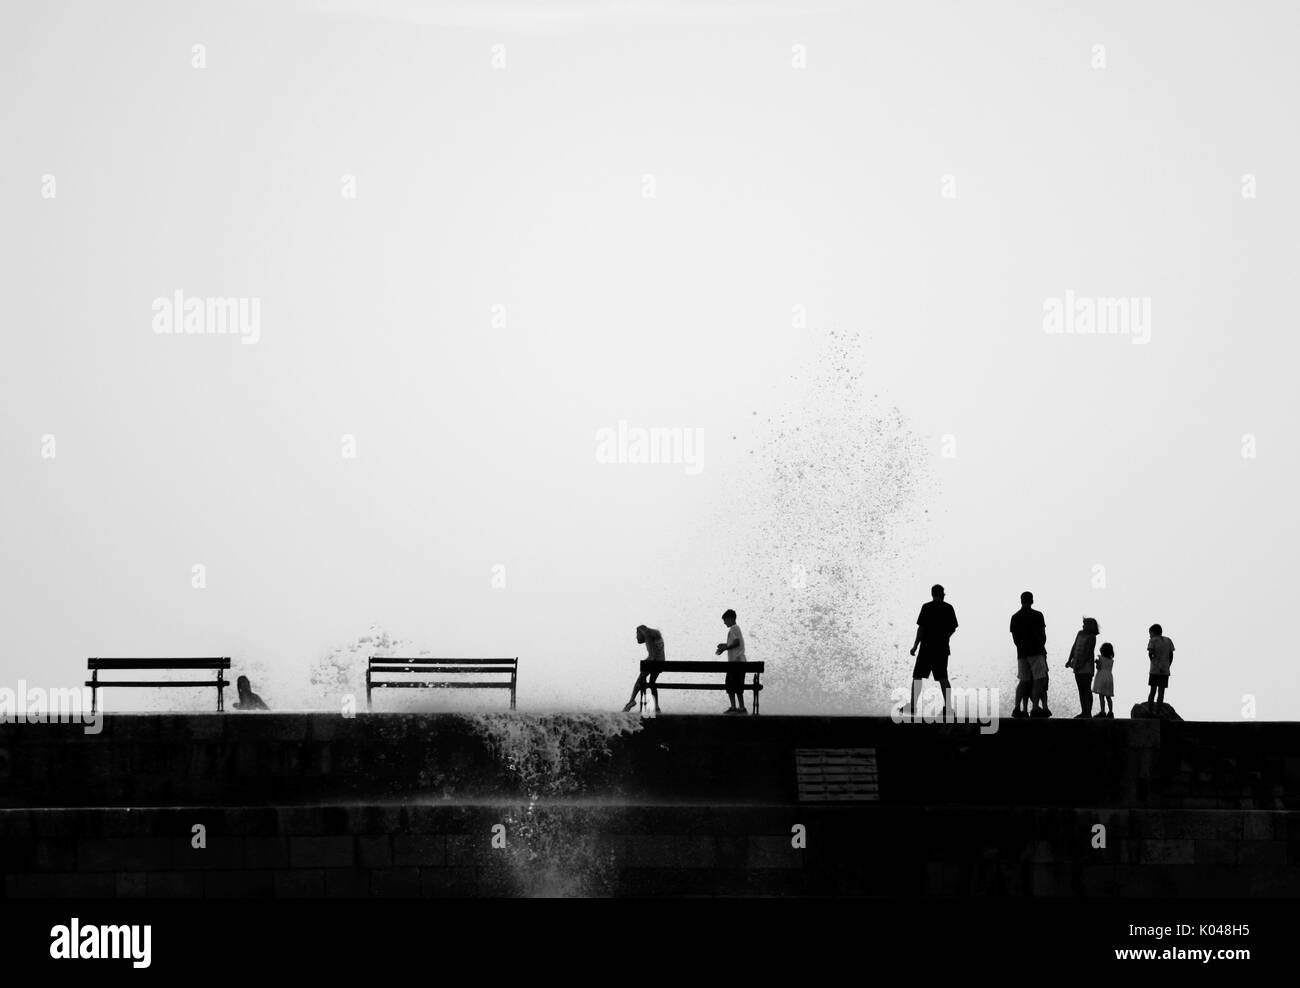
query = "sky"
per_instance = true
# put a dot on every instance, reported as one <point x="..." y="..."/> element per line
<point x="821" y="241"/>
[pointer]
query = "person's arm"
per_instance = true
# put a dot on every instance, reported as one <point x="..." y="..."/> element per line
<point x="916" y="644"/>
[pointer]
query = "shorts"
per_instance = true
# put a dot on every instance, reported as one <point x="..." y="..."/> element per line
<point x="1031" y="667"/>
<point x="1157" y="680"/>
<point x="928" y="664"/>
<point x="735" y="681"/>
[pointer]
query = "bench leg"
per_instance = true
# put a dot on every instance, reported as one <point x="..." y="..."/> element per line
<point x="758" y="691"/>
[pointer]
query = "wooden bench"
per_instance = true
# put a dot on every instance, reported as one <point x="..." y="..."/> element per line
<point x="96" y="665"/>
<point x="389" y="665"/>
<point x="721" y="666"/>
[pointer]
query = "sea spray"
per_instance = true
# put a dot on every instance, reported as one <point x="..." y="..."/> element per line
<point x="823" y="516"/>
<point x="341" y="672"/>
<point x="553" y="851"/>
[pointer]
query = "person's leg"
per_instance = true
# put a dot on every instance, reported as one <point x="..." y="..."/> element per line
<point x="947" y="696"/>
<point x="917" y="684"/>
<point x="740" y="691"/>
<point x="636" y="689"/>
<point x="654" y="692"/>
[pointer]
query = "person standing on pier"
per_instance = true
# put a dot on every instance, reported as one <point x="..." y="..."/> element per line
<point x="654" y="652"/>
<point x="1029" y="632"/>
<point x="1160" y="650"/>
<point x="934" y="627"/>
<point x="1104" y="684"/>
<point x="734" y="646"/>
<point x="1082" y="661"/>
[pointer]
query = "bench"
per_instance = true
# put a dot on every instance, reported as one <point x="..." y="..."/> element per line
<point x="721" y="666"/>
<point x="96" y="665"/>
<point x="386" y="665"/>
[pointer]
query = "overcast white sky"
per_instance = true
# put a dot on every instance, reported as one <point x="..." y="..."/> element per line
<point x="774" y="186"/>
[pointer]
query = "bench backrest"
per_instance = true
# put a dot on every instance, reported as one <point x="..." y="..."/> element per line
<point x="388" y="663"/>
<point x="179" y="663"/>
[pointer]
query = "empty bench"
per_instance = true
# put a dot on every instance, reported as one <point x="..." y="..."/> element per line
<point x="720" y="668"/>
<point x="389" y="667"/>
<point x="98" y="665"/>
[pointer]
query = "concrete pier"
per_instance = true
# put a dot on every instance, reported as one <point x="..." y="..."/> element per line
<point x="519" y="804"/>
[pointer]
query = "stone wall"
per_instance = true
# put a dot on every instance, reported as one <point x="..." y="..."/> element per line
<point x="433" y="850"/>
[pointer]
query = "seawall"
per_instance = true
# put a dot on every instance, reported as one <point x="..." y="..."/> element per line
<point x="516" y="804"/>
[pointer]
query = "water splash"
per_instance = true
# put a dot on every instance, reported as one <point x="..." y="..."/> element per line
<point x="341" y="672"/>
<point x="830" y="507"/>
<point x="553" y="757"/>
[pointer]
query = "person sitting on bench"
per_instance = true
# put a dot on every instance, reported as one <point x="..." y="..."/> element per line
<point x="654" y="652"/>
<point x="248" y="700"/>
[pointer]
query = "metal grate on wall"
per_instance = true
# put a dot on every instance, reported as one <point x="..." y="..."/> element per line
<point x="836" y="775"/>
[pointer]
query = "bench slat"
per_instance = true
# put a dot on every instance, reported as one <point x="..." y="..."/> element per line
<point x="381" y="659"/>
<point x="449" y="685"/>
<point x="721" y="665"/>
<point x="163" y="682"/>
<point x="748" y="687"/>
<point x="178" y="663"/>
<point x="443" y="670"/>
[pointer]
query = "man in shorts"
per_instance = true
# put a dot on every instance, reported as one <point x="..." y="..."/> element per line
<point x="1029" y="632"/>
<point x="934" y="627"/>
<point x="1160" y="650"/>
<point x="654" y="652"/>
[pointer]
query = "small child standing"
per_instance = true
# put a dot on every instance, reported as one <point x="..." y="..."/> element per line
<point x="1161" y="652"/>
<point x="1104" y="682"/>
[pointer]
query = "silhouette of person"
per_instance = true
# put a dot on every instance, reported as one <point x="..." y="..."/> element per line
<point x="248" y="700"/>
<point x="1082" y="661"/>
<point x="654" y="652"/>
<point x="1029" y="632"/>
<point x="934" y="627"/>
<point x="1104" y="684"/>
<point x="1160" y="650"/>
<point x="734" y="646"/>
